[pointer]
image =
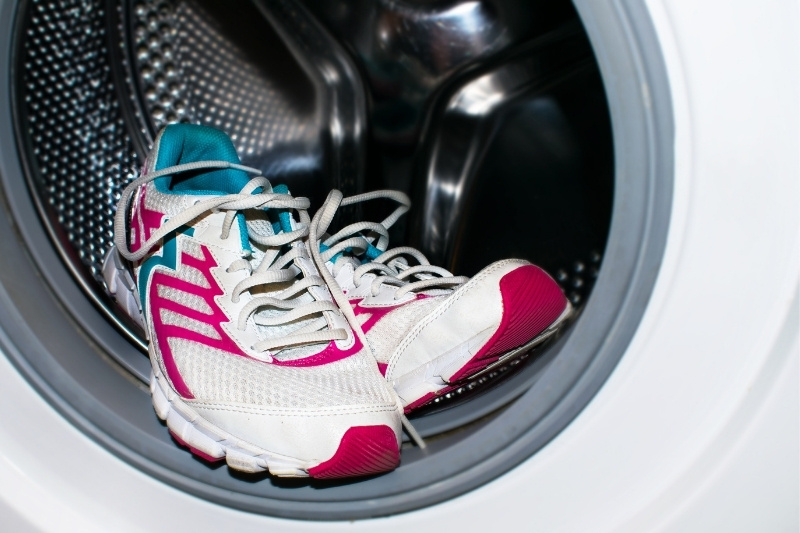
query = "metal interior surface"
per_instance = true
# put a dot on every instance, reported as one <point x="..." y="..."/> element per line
<point x="97" y="80"/>
<point x="492" y="114"/>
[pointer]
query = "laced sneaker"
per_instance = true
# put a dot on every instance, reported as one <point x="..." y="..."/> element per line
<point x="430" y="331"/>
<point x="252" y="361"/>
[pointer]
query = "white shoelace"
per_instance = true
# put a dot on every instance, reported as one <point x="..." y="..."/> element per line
<point x="391" y="265"/>
<point x="274" y="268"/>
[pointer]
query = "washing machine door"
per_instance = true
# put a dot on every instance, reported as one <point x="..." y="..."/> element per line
<point x="670" y="404"/>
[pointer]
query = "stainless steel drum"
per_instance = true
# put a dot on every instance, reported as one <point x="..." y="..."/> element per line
<point x="492" y="115"/>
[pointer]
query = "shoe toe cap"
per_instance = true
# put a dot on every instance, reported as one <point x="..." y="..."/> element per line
<point x="505" y="305"/>
<point x="313" y="436"/>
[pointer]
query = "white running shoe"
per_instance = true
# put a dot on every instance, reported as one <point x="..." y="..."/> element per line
<point x="252" y="361"/>
<point x="430" y="331"/>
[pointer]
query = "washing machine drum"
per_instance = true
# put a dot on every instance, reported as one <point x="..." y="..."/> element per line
<point x="492" y="115"/>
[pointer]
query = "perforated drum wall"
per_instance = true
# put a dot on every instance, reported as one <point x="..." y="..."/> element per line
<point x="318" y="78"/>
<point x="74" y="127"/>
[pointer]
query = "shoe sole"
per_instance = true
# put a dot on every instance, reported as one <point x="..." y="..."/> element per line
<point x="431" y="374"/>
<point x="362" y="451"/>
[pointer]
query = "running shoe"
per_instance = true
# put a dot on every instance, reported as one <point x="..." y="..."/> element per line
<point x="252" y="361"/>
<point x="431" y="332"/>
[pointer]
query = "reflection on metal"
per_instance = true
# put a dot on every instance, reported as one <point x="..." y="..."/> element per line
<point x="490" y="111"/>
<point x="96" y="79"/>
<point x="466" y="128"/>
<point x="289" y="105"/>
<point x="74" y="125"/>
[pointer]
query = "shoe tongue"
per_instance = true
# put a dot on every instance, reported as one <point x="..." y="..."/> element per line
<point x="284" y="222"/>
<point x="179" y="144"/>
<point x="266" y="222"/>
<point x="348" y="255"/>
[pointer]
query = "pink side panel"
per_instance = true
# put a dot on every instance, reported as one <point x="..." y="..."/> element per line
<point x="363" y="451"/>
<point x="163" y="332"/>
<point x="531" y="302"/>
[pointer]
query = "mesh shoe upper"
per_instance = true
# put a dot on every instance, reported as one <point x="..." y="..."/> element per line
<point x="428" y="329"/>
<point x="235" y="310"/>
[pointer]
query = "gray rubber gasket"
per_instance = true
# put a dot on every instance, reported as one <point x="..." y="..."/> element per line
<point x="63" y="356"/>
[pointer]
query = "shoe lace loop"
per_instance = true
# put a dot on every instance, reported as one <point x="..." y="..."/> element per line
<point x="391" y="266"/>
<point x="277" y="266"/>
<point x="351" y="237"/>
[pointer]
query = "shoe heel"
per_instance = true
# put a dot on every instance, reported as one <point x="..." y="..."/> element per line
<point x="121" y="286"/>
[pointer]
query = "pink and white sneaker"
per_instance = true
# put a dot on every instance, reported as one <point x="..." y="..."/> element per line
<point x="252" y="361"/>
<point x="430" y="331"/>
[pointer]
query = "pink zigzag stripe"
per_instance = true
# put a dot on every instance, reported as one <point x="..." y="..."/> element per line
<point x="375" y="314"/>
<point x="146" y="221"/>
<point x="329" y="354"/>
<point x="215" y="319"/>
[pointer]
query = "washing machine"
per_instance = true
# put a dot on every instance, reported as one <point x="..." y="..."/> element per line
<point x="645" y="152"/>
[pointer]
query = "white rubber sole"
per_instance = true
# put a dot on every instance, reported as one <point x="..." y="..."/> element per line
<point x="362" y="450"/>
<point x="213" y="444"/>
